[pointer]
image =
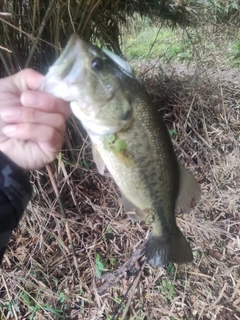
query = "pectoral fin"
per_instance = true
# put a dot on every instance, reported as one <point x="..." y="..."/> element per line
<point x="98" y="160"/>
<point x="189" y="192"/>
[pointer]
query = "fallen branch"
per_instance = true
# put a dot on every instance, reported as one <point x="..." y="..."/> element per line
<point x="113" y="278"/>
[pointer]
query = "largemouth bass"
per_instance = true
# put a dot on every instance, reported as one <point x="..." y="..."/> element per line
<point x="130" y="138"/>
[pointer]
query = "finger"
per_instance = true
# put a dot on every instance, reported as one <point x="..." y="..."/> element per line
<point x="27" y="79"/>
<point x="30" y="115"/>
<point x="46" y="102"/>
<point x="37" y="133"/>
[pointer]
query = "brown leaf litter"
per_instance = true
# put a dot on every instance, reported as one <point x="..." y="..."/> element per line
<point x="50" y="264"/>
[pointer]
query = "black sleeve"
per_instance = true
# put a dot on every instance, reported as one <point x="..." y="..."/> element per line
<point x="15" y="192"/>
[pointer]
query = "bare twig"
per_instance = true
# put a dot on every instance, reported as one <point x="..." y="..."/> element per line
<point x="68" y="230"/>
<point x="113" y="278"/>
<point x="136" y="281"/>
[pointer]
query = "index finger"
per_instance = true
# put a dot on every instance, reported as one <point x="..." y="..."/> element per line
<point x="45" y="102"/>
<point x="27" y="79"/>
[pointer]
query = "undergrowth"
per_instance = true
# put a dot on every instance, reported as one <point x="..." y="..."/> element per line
<point x="153" y="41"/>
<point x="69" y="258"/>
<point x="68" y="247"/>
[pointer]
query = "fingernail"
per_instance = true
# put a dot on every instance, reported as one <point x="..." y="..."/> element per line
<point x="9" y="129"/>
<point x="10" y="113"/>
<point x="31" y="98"/>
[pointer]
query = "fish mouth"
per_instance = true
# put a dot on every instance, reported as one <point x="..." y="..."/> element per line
<point x="67" y="70"/>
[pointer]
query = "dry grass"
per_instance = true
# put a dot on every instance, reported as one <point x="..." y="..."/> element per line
<point x="75" y="215"/>
<point x="32" y="33"/>
<point x="49" y="269"/>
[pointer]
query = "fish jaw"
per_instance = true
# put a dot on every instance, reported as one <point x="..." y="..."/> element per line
<point x="67" y="72"/>
<point x="91" y="123"/>
<point x="92" y="81"/>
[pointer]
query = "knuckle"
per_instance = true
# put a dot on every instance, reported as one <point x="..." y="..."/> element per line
<point x="28" y="72"/>
<point x="56" y="139"/>
<point x="28" y="115"/>
<point x="59" y="120"/>
<point x="52" y="135"/>
<point x="34" y="113"/>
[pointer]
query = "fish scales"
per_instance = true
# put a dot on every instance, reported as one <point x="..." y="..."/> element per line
<point x="154" y="172"/>
<point x="130" y="138"/>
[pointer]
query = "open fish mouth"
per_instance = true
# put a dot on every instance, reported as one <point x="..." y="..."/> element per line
<point x="68" y="70"/>
<point x="130" y="139"/>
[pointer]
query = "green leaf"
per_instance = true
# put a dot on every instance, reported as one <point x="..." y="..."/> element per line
<point x="108" y="141"/>
<point x="171" y="268"/>
<point x="99" y="266"/>
<point x="172" y="133"/>
<point x="170" y="288"/>
<point x="112" y="143"/>
<point x="119" y="145"/>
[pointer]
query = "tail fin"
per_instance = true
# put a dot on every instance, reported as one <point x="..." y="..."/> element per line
<point x="161" y="250"/>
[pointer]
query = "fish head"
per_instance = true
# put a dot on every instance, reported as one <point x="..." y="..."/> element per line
<point x="98" y="84"/>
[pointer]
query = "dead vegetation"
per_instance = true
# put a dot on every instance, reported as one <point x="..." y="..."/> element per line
<point x="32" y="33"/>
<point x="49" y="271"/>
<point x="75" y="226"/>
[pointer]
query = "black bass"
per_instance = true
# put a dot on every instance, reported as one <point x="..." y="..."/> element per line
<point x="130" y="138"/>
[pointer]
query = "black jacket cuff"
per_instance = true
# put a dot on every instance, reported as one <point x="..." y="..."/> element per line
<point x="15" y="193"/>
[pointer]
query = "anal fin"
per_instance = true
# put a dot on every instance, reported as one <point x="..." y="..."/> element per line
<point x="189" y="192"/>
<point x="134" y="213"/>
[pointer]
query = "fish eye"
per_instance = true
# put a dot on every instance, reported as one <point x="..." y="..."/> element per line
<point x="126" y="115"/>
<point x="97" y="64"/>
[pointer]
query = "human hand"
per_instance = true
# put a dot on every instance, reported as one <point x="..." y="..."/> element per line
<point x="32" y="123"/>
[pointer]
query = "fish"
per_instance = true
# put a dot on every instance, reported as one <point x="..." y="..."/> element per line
<point x="130" y="139"/>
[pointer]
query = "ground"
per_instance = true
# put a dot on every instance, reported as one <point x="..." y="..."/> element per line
<point x="62" y="244"/>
